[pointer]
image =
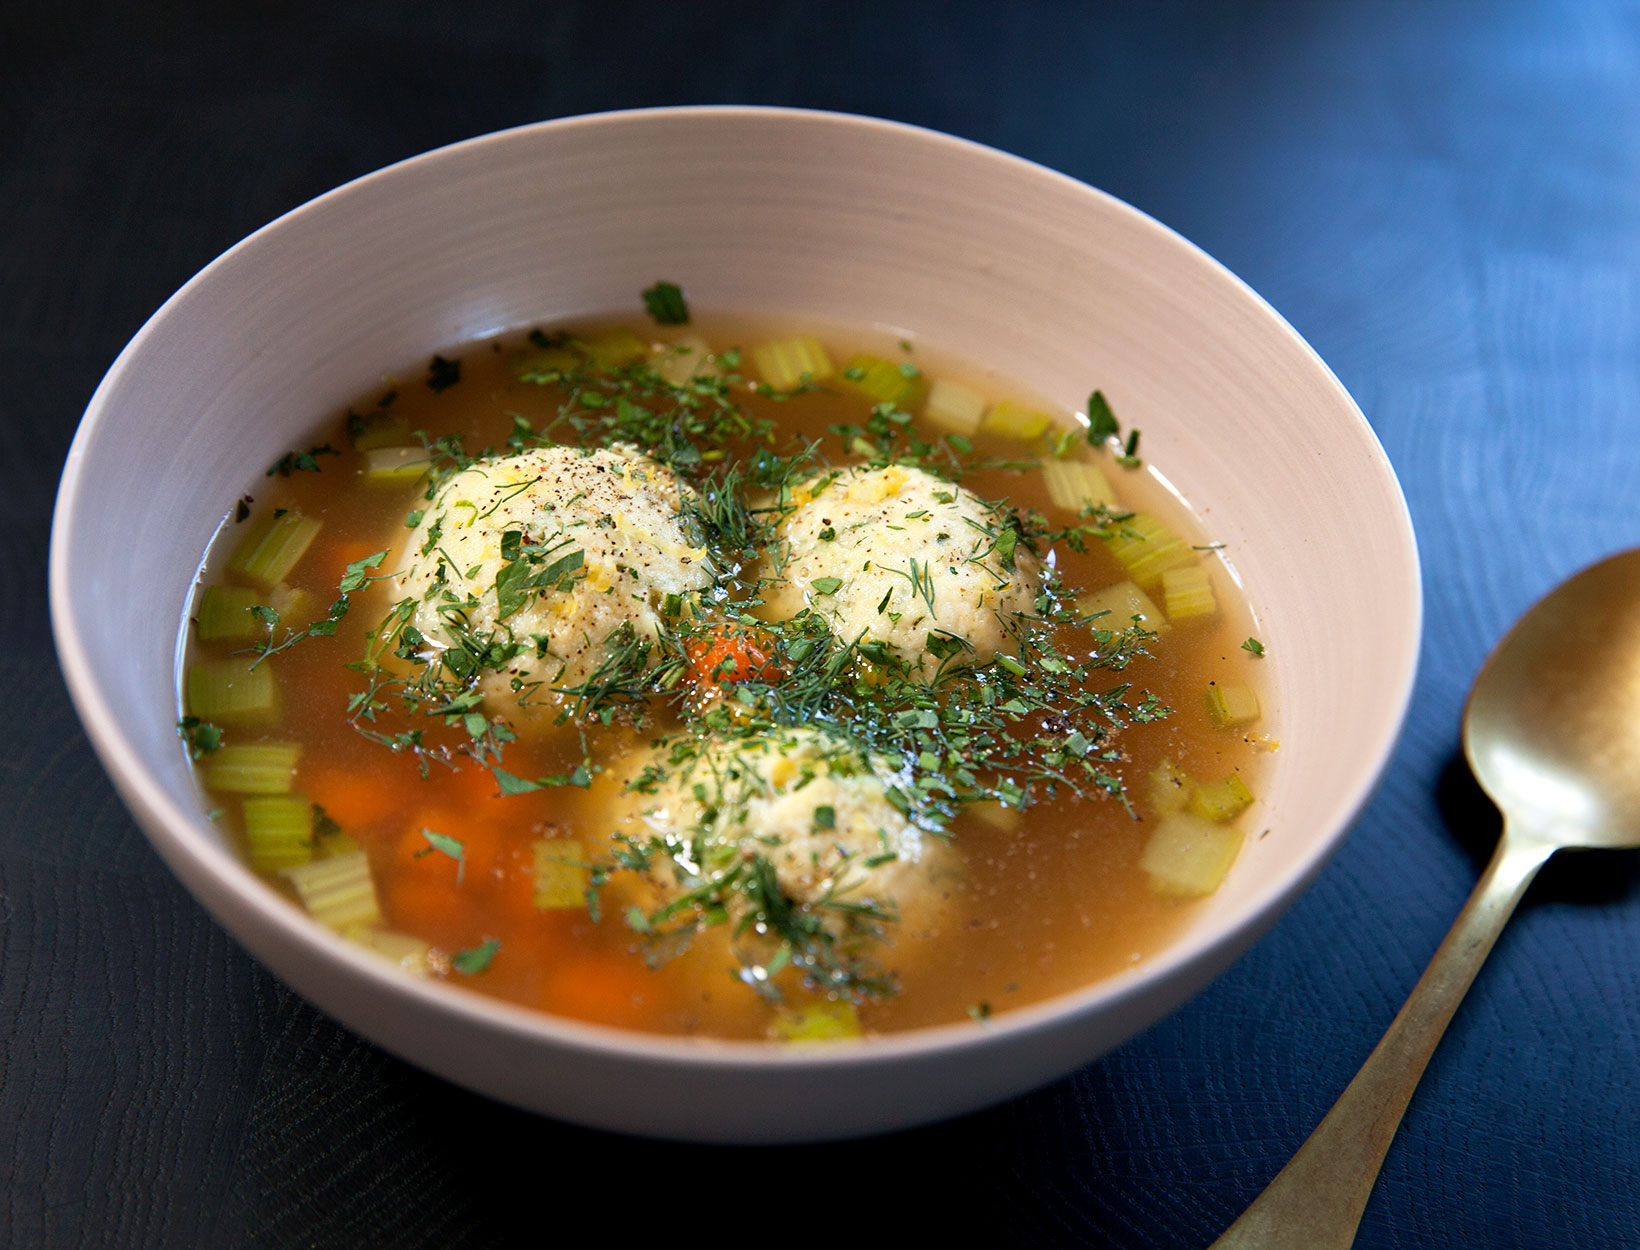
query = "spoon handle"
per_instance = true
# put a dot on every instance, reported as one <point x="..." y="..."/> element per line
<point x="1315" y="1202"/>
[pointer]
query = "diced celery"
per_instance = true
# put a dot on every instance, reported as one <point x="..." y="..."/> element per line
<point x="1121" y="603"/>
<point x="817" y="1022"/>
<point x="1231" y="703"/>
<point x="379" y="429"/>
<point x="884" y="382"/>
<point x="333" y="845"/>
<point x="1008" y="419"/>
<point x="1222" y="800"/>
<point x="278" y="830"/>
<point x="953" y="406"/>
<point x="544" y="360"/>
<point x="561" y="874"/>
<point x="407" y="951"/>
<point x="296" y="607"/>
<point x="1188" y="857"/>
<point x="225" y="612"/>
<point x="391" y="466"/>
<point x="1171" y="788"/>
<point x="1147" y="549"/>
<point x="253" y="767"/>
<point x="619" y="346"/>
<point x="996" y="814"/>
<point x="273" y="545"/>
<point x="1188" y="591"/>
<point x="1077" y="484"/>
<point x="784" y="363"/>
<point x="684" y="358"/>
<point x="231" y="692"/>
<point x="338" y="892"/>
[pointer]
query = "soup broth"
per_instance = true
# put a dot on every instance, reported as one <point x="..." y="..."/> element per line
<point x="598" y="731"/>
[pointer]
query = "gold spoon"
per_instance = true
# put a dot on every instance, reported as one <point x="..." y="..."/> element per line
<point x="1552" y="732"/>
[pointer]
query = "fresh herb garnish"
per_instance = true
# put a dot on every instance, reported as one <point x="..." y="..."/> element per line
<point x="442" y="374"/>
<point x="665" y="303"/>
<point x="444" y="844"/>
<point x="475" y="959"/>
<point x="201" y="737"/>
<point x="295" y="461"/>
<point x="1102" y="422"/>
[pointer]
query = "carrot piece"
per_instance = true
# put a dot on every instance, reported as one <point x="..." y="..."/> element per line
<point x="731" y="654"/>
<point x="619" y="991"/>
<point x="353" y="800"/>
<point x="423" y="905"/>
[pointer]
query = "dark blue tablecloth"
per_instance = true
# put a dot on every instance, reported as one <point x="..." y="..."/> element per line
<point x="1443" y="197"/>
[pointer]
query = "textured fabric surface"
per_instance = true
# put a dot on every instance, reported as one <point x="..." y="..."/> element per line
<point x="1444" y="197"/>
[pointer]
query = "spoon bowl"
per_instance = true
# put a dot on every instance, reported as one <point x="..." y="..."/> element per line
<point x="1552" y="732"/>
<point x="1550" y="729"/>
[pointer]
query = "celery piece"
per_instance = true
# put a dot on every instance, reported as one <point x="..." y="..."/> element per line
<point x="785" y="363"/>
<point x="686" y="357"/>
<point x="953" y="406"/>
<point x="1188" y="857"/>
<point x="1077" y="484"/>
<point x="1147" y="549"/>
<point x="337" y="892"/>
<point x="380" y="429"/>
<point x="1171" y="788"/>
<point x="253" y="767"/>
<point x="619" y="346"/>
<point x="407" y="951"/>
<point x="996" y="814"/>
<point x="1231" y="703"/>
<point x="333" y="845"/>
<point x="296" y="607"/>
<point x="884" y="382"/>
<point x="1222" y="800"/>
<point x="272" y="546"/>
<point x="391" y="466"/>
<point x="278" y="830"/>
<point x="822" y="1021"/>
<point x="231" y="692"/>
<point x="225" y="613"/>
<point x="561" y="874"/>
<point x="1121" y="603"/>
<point x="1008" y="419"/>
<point x="1188" y="591"/>
<point x="544" y="360"/>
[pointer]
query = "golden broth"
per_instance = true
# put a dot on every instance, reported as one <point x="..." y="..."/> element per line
<point x="1049" y="901"/>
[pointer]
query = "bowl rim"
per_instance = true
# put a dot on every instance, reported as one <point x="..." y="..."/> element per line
<point x="181" y="839"/>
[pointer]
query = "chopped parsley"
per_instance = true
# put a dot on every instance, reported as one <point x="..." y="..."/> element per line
<point x="665" y="303"/>
<point x="201" y="737"/>
<point x="475" y="959"/>
<point x="444" y="844"/>
<point x="292" y="462"/>
<point x="1102" y="422"/>
<point x="442" y="374"/>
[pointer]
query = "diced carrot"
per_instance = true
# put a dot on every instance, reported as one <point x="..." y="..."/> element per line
<point x="427" y="906"/>
<point x="480" y="844"/>
<point x="354" y="799"/>
<point x="509" y="884"/>
<point x="731" y="654"/>
<point x="618" y="990"/>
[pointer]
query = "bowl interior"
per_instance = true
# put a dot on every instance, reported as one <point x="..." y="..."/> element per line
<point x="1022" y="270"/>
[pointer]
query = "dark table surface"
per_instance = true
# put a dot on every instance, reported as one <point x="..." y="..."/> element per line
<point x="1443" y="197"/>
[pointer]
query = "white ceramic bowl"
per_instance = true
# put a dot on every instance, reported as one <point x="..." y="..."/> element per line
<point x="838" y="217"/>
